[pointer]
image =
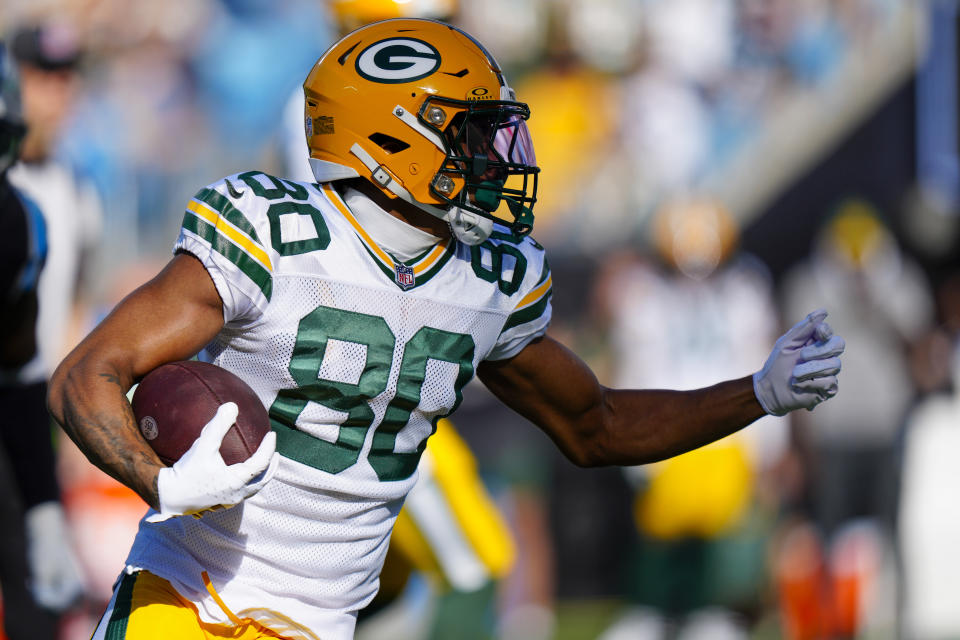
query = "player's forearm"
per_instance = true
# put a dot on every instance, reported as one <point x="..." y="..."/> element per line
<point x="89" y="401"/>
<point x="593" y="425"/>
<point x="638" y="427"/>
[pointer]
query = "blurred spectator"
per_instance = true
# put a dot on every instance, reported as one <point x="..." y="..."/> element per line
<point x="706" y="310"/>
<point x="667" y="133"/>
<point x="603" y="33"/>
<point x="250" y="57"/>
<point x="514" y="31"/>
<point x="135" y="129"/>
<point x="37" y="571"/>
<point x="880" y="300"/>
<point x="575" y="112"/>
<point x="693" y="39"/>
<point x="929" y="522"/>
<point x="48" y="56"/>
<point x="515" y="459"/>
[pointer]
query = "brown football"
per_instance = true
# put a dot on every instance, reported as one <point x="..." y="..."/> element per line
<point x="175" y="401"/>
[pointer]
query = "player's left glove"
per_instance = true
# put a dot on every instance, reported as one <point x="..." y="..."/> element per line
<point x="801" y="372"/>
<point x="54" y="574"/>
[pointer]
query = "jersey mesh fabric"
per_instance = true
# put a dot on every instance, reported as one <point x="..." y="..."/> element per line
<point x="331" y="354"/>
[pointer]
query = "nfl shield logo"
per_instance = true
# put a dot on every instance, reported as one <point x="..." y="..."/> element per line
<point x="404" y="276"/>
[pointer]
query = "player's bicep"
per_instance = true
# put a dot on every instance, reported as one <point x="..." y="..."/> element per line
<point x="553" y="388"/>
<point x="169" y="318"/>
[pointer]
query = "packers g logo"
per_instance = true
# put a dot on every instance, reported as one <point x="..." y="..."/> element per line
<point x="396" y="60"/>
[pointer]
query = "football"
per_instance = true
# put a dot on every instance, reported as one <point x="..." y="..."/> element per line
<point x="175" y="401"/>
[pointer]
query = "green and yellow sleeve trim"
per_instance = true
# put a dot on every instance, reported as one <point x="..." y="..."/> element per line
<point x="214" y="219"/>
<point x="533" y="304"/>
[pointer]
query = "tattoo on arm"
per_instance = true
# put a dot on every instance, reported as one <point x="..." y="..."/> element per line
<point x="105" y="438"/>
<point x="113" y="379"/>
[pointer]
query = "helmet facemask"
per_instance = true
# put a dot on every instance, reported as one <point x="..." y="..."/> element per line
<point x="487" y="145"/>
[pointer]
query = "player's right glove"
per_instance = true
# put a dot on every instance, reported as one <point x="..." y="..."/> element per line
<point x="801" y="372"/>
<point x="200" y="480"/>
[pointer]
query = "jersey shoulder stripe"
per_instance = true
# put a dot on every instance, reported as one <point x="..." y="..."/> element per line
<point x="534" y="303"/>
<point x="225" y="208"/>
<point x="523" y="274"/>
<point x="214" y="219"/>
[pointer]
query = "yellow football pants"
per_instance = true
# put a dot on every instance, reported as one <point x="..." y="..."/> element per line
<point x="146" y="607"/>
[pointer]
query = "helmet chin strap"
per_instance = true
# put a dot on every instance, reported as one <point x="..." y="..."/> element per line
<point x="466" y="226"/>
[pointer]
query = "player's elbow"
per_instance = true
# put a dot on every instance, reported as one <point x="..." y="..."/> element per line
<point x="65" y="385"/>
<point x="586" y="457"/>
<point x="58" y="392"/>
<point x="590" y="452"/>
<point x="597" y="441"/>
<point x="593" y="444"/>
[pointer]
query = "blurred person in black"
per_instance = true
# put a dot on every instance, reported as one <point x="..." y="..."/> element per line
<point x="33" y="574"/>
<point x="48" y="58"/>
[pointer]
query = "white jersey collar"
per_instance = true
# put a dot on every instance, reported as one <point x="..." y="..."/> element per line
<point x="396" y="237"/>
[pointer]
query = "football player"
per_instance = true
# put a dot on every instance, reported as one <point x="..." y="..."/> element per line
<point x="449" y="530"/>
<point x="37" y="571"/>
<point x="419" y="148"/>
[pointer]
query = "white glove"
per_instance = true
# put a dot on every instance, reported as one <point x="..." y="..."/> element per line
<point x="55" y="579"/>
<point x="201" y="481"/>
<point x="801" y="372"/>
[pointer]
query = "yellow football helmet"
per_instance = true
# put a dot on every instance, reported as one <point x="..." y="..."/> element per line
<point x="420" y="109"/>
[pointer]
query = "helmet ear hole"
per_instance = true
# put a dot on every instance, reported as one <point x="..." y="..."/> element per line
<point x="388" y="143"/>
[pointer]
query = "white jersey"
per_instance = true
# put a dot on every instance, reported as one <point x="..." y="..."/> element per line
<point x="356" y="357"/>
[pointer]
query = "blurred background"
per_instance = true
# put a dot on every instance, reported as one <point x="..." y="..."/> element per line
<point x="712" y="171"/>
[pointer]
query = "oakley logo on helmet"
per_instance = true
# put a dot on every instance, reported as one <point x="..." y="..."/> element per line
<point x="479" y="93"/>
<point x="396" y="60"/>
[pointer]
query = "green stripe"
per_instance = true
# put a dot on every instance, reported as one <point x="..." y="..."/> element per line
<point x="117" y="626"/>
<point x="253" y="269"/>
<point x="413" y="261"/>
<point x="226" y="209"/>
<point x="390" y="274"/>
<point x="544" y="273"/>
<point x="532" y="312"/>
<point x="417" y="280"/>
<point x="432" y="271"/>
